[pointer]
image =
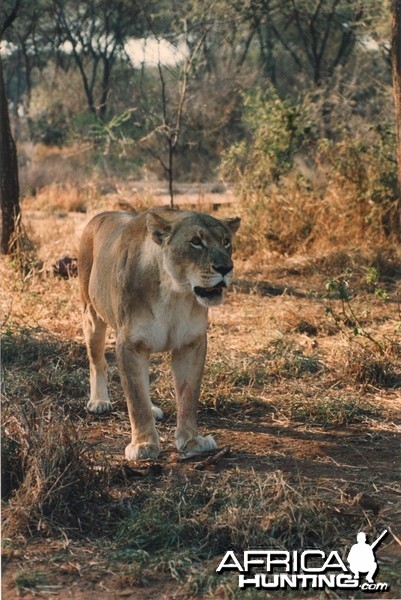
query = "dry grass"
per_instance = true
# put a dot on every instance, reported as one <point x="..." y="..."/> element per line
<point x="295" y="218"/>
<point x="54" y="486"/>
<point x="309" y="409"/>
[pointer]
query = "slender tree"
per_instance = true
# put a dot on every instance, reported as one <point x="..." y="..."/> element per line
<point x="396" y="61"/>
<point x="9" y="183"/>
<point x="172" y="124"/>
<point x="174" y="90"/>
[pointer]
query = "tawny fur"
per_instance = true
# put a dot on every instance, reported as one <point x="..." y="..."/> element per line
<point x="152" y="277"/>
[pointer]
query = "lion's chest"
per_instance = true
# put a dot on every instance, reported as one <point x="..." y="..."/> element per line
<point x="172" y="323"/>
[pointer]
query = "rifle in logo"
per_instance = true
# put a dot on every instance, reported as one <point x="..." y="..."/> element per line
<point x="379" y="539"/>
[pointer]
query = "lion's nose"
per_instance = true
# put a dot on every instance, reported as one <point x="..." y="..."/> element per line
<point x="223" y="269"/>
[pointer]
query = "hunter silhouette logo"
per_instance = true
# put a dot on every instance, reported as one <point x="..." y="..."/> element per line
<point x="361" y="558"/>
<point x="307" y="569"/>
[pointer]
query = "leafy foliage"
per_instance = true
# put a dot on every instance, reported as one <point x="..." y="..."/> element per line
<point x="276" y="130"/>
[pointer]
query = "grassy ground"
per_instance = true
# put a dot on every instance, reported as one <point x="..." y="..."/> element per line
<point x="302" y="388"/>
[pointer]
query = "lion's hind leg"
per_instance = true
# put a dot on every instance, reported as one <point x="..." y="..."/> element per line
<point x="95" y="334"/>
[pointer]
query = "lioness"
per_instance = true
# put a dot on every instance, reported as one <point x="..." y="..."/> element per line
<point x="152" y="277"/>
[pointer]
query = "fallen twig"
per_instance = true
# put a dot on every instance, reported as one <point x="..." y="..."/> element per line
<point x="212" y="460"/>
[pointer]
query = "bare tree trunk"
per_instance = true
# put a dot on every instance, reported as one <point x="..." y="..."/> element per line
<point x="396" y="60"/>
<point x="9" y="184"/>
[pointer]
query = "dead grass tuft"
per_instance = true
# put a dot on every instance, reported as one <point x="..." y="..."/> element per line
<point x="23" y="255"/>
<point x="369" y="367"/>
<point x="53" y="484"/>
<point x="64" y="198"/>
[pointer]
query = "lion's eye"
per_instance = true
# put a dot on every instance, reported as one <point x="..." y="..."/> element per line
<point x="196" y="242"/>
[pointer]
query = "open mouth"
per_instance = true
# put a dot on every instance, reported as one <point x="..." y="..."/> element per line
<point x="210" y="292"/>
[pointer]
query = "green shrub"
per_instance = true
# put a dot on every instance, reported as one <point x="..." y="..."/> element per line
<point x="276" y="130"/>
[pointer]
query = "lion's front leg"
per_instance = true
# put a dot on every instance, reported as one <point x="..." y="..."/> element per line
<point x="187" y="365"/>
<point x="133" y="364"/>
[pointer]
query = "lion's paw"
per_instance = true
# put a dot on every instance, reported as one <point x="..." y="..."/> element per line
<point x="142" y="451"/>
<point x="196" y="445"/>
<point x="157" y="413"/>
<point x="98" y="407"/>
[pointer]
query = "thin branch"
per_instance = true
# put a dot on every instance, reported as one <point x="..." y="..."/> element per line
<point x="10" y="18"/>
<point x="323" y="44"/>
<point x="301" y="32"/>
<point x="157" y="156"/>
<point x="293" y="54"/>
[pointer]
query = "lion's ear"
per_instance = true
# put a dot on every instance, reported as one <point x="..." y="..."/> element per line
<point x="158" y="227"/>
<point x="233" y="224"/>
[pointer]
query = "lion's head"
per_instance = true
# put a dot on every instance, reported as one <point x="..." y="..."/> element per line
<point x="196" y="250"/>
